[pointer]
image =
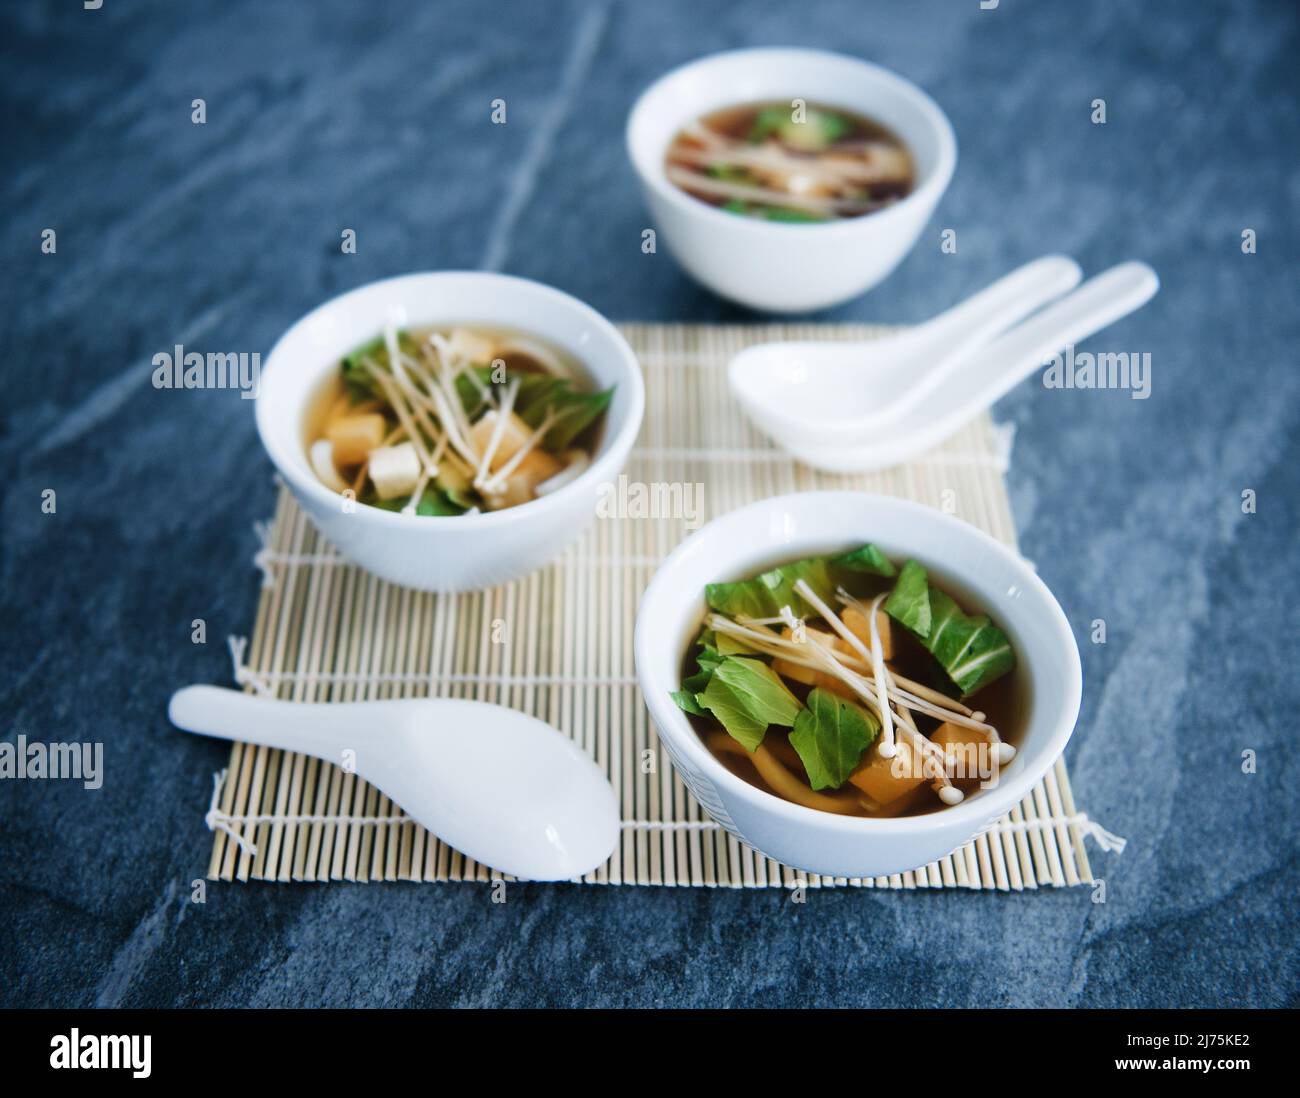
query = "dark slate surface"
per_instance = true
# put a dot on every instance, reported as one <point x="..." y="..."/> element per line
<point x="325" y="116"/>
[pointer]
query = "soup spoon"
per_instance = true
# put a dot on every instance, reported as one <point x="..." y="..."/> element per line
<point x="986" y="375"/>
<point x="837" y="392"/>
<point x="502" y="787"/>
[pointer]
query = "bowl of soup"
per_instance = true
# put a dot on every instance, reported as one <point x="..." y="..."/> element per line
<point x="788" y="179"/>
<point x="855" y="685"/>
<point x="450" y="430"/>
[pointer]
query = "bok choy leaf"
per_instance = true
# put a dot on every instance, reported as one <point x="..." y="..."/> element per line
<point x="972" y="651"/>
<point x="539" y="393"/>
<point x="765" y="594"/>
<point x="747" y="696"/>
<point x="706" y="660"/>
<point x="830" y="736"/>
<point x="909" y="602"/>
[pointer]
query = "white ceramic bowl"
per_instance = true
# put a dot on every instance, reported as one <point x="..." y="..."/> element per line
<point x="466" y="551"/>
<point x="979" y="571"/>
<point x="777" y="266"/>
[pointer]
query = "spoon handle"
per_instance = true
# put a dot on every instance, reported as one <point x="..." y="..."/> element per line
<point x="1098" y="303"/>
<point x="312" y="729"/>
<point x="970" y="324"/>
<point x="965" y="330"/>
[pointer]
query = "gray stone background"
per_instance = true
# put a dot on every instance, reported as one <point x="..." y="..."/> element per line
<point x="324" y="116"/>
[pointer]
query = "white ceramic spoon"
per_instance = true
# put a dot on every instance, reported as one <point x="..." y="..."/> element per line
<point x="497" y="784"/>
<point x="830" y="393"/>
<point x="992" y="372"/>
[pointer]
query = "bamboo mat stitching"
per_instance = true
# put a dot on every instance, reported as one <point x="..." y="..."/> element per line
<point x="218" y="820"/>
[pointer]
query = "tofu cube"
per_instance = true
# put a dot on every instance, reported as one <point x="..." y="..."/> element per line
<point x="478" y="349"/>
<point x="885" y="780"/>
<point x="353" y="437"/>
<point x="521" y="485"/>
<point x="860" y="627"/>
<point x="810" y="634"/>
<point x="810" y="676"/>
<point x="453" y="480"/>
<point x="962" y="745"/>
<point x="836" y="685"/>
<point x="395" y="470"/>
<point x="796" y="672"/>
<point x="513" y="436"/>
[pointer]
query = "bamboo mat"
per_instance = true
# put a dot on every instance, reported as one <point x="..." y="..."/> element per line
<point x="558" y="644"/>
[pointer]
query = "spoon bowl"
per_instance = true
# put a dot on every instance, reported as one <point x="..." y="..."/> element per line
<point x="964" y="387"/>
<point x="502" y="787"/>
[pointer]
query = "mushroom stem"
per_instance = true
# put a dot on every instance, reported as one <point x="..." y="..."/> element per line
<point x="888" y="749"/>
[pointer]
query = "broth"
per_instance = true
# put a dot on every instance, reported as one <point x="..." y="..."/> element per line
<point x="791" y="161"/>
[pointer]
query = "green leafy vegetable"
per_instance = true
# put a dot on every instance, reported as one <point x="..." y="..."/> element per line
<point x="707" y="660"/>
<point x="747" y="696"/>
<point x="685" y="699"/>
<point x="787" y="213"/>
<point x="456" y="486"/>
<point x="696" y="684"/>
<point x="768" y="121"/>
<point x="830" y="735"/>
<point x="765" y="594"/>
<point x="729" y="172"/>
<point x="433" y="502"/>
<point x="457" y="494"/>
<point x="770" y="213"/>
<point x="817" y="130"/>
<point x="575" y="412"/>
<point x="909" y="602"/>
<point x="833" y="126"/>
<point x="538" y="393"/>
<point x="373" y="348"/>
<point x="732" y="646"/>
<point x="868" y="559"/>
<point x="972" y="651"/>
<point x="709" y="657"/>
<point x="534" y="387"/>
<point x="357" y="378"/>
<point x="471" y="395"/>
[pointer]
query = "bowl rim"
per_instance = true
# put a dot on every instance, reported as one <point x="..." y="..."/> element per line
<point x="672" y="724"/>
<point x="925" y="196"/>
<point x="613" y="448"/>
